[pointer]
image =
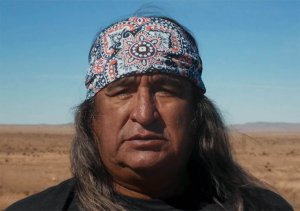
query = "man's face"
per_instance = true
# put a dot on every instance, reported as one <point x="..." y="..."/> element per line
<point x="144" y="123"/>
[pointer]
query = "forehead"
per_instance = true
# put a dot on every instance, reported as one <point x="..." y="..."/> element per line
<point x="153" y="79"/>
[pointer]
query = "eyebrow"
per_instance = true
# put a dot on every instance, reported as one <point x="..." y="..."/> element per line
<point x="166" y="79"/>
<point x="162" y="79"/>
<point x="123" y="82"/>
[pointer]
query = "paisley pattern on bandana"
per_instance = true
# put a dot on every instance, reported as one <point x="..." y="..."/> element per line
<point x="140" y="45"/>
<point x="141" y="51"/>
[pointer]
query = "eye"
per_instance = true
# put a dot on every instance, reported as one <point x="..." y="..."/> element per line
<point x="120" y="93"/>
<point x="167" y="91"/>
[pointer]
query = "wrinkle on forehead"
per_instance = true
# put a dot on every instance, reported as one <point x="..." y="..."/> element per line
<point x="153" y="78"/>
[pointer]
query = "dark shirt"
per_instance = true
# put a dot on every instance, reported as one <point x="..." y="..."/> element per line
<point x="61" y="198"/>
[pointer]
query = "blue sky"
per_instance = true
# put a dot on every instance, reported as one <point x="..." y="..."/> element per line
<point x="250" y="51"/>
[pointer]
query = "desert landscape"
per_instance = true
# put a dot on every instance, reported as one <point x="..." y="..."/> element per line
<point x="34" y="157"/>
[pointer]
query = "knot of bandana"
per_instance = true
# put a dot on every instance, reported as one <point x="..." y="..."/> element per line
<point x="141" y="45"/>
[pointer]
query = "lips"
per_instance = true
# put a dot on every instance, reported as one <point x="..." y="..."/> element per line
<point x="146" y="137"/>
<point x="145" y="142"/>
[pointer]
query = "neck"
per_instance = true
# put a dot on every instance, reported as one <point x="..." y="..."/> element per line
<point x="153" y="187"/>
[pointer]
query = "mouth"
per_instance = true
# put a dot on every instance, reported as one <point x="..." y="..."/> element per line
<point x="146" y="142"/>
<point x="146" y="137"/>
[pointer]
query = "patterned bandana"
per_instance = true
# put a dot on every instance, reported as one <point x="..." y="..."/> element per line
<point x="141" y="45"/>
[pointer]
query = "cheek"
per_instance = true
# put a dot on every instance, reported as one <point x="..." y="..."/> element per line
<point x="107" y="146"/>
<point x="178" y="119"/>
<point x="110" y="121"/>
<point x="177" y="116"/>
<point x="107" y="127"/>
<point x="105" y="131"/>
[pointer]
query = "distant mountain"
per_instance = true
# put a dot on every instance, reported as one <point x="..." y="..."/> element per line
<point x="266" y="127"/>
<point x="38" y="128"/>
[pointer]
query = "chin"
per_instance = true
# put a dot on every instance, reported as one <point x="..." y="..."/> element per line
<point x="149" y="161"/>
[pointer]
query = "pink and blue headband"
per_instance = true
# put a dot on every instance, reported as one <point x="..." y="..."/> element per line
<point x="141" y="45"/>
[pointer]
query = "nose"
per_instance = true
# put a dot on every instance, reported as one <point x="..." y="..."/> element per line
<point x="144" y="109"/>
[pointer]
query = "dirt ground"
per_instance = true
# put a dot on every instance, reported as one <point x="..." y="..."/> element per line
<point x="33" y="158"/>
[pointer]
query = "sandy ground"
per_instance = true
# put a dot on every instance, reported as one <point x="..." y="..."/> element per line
<point x="33" y="158"/>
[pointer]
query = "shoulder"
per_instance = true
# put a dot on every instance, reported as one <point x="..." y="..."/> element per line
<point x="264" y="199"/>
<point x="58" y="197"/>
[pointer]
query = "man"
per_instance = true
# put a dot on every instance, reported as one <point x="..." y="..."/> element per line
<point x="147" y="138"/>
